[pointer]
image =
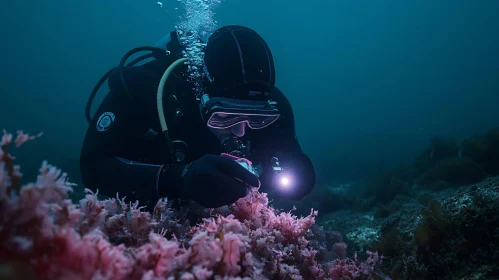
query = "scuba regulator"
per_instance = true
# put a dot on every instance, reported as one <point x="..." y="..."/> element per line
<point x="234" y="148"/>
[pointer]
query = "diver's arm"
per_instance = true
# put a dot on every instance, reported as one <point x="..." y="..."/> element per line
<point x="99" y="164"/>
<point x="285" y="147"/>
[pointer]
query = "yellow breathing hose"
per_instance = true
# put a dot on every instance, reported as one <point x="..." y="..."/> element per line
<point x="159" y="97"/>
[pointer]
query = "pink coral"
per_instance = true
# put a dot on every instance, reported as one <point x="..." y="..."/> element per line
<point x="44" y="234"/>
<point x="345" y="269"/>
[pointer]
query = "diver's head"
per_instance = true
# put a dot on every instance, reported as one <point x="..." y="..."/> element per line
<point x="239" y="78"/>
<point x="237" y="63"/>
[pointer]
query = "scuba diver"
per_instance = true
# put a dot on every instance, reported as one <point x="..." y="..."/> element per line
<point x="155" y="135"/>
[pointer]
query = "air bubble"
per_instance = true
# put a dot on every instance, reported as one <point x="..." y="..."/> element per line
<point x="195" y="25"/>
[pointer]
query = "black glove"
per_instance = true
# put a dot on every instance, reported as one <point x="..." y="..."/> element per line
<point x="212" y="181"/>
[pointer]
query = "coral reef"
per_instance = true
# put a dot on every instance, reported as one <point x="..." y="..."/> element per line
<point x="435" y="218"/>
<point x="449" y="234"/>
<point x="43" y="235"/>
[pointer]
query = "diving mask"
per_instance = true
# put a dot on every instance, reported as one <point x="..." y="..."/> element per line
<point x="221" y="113"/>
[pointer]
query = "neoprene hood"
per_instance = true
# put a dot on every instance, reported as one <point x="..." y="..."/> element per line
<point x="237" y="60"/>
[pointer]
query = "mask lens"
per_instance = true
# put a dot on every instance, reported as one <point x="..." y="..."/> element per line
<point x="226" y="120"/>
<point x="261" y="121"/>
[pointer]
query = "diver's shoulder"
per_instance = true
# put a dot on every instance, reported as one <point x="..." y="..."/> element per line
<point x="134" y="77"/>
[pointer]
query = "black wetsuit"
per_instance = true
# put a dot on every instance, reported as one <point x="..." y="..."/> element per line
<point x="126" y="155"/>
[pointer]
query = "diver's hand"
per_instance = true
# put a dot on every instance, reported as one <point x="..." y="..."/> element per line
<point x="214" y="181"/>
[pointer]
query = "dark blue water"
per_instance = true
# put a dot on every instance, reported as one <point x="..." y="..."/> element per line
<point x="370" y="83"/>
